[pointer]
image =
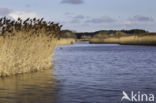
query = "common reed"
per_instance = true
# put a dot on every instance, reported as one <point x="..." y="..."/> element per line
<point x="26" y="45"/>
<point x="128" y="39"/>
<point x="136" y="39"/>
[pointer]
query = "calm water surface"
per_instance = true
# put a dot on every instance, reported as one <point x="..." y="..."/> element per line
<point x="86" y="73"/>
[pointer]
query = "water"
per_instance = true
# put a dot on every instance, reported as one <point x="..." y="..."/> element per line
<point x="86" y="73"/>
<point x="37" y="87"/>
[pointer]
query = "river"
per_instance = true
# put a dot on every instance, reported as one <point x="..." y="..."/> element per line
<point x="86" y="73"/>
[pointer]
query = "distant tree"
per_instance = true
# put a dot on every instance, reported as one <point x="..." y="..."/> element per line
<point x="68" y="34"/>
<point x="134" y="31"/>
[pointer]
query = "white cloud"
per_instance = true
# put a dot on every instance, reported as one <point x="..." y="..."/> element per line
<point x="127" y="22"/>
<point x="22" y="15"/>
<point x="139" y="18"/>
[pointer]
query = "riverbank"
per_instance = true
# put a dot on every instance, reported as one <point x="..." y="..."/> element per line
<point x="65" y="41"/>
<point x="135" y="39"/>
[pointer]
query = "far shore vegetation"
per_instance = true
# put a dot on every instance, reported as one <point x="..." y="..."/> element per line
<point x="125" y="37"/>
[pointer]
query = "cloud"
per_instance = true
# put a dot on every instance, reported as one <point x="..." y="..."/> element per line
<point x="79" y="17"/>
<point x="22" y="15"/>
<point x="139" y="18"/>
<point x="15" y="14"/>
<point x="5" y="11"/>
<point x="104" y="19"/>
<point x="72" y="1"/>
<point x="76" y="19"/>
<point x="127" y="22"/>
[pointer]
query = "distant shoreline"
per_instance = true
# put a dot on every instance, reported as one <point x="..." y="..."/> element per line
<point x="124" y="37"/>
<point x="134" y="39"/>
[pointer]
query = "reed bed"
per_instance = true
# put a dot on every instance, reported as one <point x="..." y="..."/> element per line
<point x="26" y="46"/>
<point x="134" y="39"/>
<point x="65" y="41"/>
<point x="144" y="39"/>
<point x="108" y="40"/>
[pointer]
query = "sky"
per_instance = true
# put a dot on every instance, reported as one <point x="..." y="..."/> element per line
<point x="86" y="15"/>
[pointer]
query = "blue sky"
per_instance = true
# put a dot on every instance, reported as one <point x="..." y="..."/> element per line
<point x="86" y="15"/>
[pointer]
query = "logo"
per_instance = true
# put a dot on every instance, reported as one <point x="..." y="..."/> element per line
<point x="137" y="97"/>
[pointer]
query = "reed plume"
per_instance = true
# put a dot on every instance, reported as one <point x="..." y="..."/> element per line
<point x="26" y="45"/>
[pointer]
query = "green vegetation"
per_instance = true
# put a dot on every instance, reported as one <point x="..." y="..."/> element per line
<point x="101" y="33"/>
<point x="68" y="34"/>
<point x="107" y="33"/>
<point x="134" y="31"/>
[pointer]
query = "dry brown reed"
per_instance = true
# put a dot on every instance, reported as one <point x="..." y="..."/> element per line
<point x="134" y="39"/>
<point x="144" y="39"/>
<point x="26" y="46"/>
<point x="65" y="41"/>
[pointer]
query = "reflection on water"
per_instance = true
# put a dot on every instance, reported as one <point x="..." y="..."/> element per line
<point x="37" y="87"/>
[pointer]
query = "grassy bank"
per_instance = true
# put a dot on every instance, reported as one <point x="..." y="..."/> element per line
<point x="145" y="39"/>
<point x="110" y="40"/>
<point x="26" y="46"/>
<point x="133" y="39"/>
